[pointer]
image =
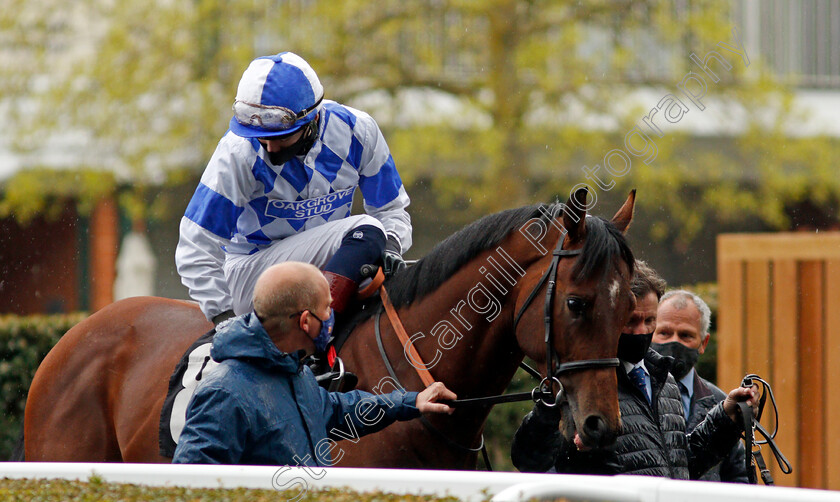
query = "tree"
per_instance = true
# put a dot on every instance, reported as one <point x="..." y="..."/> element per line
<point x="130" y="91"/>
<point x="497" y="103"/>
<point x="525" y="94"/>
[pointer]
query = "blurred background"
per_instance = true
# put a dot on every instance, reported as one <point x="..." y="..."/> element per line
<point x="110" y="109"/>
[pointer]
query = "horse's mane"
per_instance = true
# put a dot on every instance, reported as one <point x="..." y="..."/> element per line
<point x="603" y="243"/>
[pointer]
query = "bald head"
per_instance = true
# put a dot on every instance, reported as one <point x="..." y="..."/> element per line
<point x="287" y="288"/>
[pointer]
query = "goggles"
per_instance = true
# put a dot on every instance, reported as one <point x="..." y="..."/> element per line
<point x="270" y="118"/>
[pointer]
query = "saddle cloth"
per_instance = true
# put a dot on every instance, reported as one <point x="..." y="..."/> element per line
<point x="192" y="367"/>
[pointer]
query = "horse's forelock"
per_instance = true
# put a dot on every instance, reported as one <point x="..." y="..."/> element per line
<point x="604" y="243"/>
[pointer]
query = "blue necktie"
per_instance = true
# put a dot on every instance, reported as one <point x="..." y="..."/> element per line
<point x="637" y="376"/>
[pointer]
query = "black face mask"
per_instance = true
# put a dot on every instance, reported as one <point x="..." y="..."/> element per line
<point x="684" y="358"/>
<point x="299" y="147"/>
<point x="632" y="348"/>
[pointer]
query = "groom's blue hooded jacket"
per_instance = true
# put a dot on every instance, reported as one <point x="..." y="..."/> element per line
<point x="261" y="406"/>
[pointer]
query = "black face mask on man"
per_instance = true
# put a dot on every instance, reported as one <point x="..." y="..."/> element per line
<point x="632" y="347"/>
<point x="684" y="357"/>
<point x="299" y="147"/>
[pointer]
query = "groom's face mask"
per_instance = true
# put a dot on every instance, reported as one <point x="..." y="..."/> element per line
<point x="636" y="334"/>
<point x="684" y="357"/>
<point x="678" y="335"/>
<point x="632" y="347"/>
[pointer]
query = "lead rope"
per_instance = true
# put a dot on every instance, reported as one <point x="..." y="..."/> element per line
<point x="751" y="425"/>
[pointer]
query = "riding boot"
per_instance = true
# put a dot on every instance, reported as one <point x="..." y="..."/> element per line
<point x="342" y="290"/>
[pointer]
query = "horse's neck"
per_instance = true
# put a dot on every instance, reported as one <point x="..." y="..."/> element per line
<point x="464" y="330"/>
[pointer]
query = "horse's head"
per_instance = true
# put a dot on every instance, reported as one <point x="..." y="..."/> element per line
<point x="590" y="303"/>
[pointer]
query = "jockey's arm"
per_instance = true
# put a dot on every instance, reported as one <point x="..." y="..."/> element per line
<point x="381" y="186"/>
<point x="210" y="221"/>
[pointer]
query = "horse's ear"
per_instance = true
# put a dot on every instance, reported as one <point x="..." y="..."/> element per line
<point x="624" y="216"/>
<point x="574" y="214"/>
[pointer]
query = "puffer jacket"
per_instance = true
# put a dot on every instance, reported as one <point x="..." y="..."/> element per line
<point x="652" y="440"/>
<point x="261" y="406"/>
<point x="733" y="468"/>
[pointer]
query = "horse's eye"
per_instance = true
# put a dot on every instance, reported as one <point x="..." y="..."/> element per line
<point x="576" y="305"/>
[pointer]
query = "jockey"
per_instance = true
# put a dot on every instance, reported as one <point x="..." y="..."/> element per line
<point x="279" y="187"/>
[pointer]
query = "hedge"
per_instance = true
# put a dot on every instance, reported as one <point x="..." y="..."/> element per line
<point x="24" y="342"/>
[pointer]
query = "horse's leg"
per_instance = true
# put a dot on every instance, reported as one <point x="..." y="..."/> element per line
<point x="143" y="444"/>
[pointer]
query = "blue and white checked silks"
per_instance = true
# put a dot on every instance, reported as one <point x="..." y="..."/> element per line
<point x="244" y="203"/>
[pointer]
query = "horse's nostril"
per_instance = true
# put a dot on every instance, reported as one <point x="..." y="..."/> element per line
<point x="596" y="429"/>
<point x="594" y="424"/>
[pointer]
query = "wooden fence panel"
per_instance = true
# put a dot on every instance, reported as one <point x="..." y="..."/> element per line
<point x="832" y="381"/>
<point x="731" y="322"/>
<point x="811" y="373"/>
<point x="779" y="316"/>
<point x="756" y="356"/>
<point x="785" y="384"/>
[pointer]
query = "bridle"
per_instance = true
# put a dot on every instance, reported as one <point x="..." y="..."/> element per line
<point x="540" y="393"/>
<point x="553" y="373"/>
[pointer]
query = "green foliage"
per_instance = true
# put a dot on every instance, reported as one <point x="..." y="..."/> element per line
<point x="707" y="365"/>
<point x="59" y="490"/>
<point x="503" y="421"/>
<point x="45" y="192"/>
<point x="525" y="75"/>
<point x="123" y="87"/>
<point x="24" y="341"/>
<point x="525" y="94"/>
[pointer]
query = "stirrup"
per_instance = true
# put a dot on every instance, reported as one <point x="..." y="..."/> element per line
<point x="335" y="379"/>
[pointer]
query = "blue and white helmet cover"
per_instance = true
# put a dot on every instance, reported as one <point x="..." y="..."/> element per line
<point x="273" y="93"/>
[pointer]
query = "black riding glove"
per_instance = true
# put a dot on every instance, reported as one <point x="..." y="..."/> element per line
<point x="392" y="260"/>
<point x="224" y="316"/>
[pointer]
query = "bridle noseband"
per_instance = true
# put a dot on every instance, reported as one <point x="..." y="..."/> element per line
<point x="552" y="373"/>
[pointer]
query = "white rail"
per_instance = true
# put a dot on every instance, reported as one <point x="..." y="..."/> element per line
<point x="469" y="486"/>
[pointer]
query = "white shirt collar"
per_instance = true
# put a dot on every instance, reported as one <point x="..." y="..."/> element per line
<point x="628" y="367"/>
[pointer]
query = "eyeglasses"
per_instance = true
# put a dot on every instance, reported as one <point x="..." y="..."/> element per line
<point x="270" y="118"/>
<point x="310" y="313"/>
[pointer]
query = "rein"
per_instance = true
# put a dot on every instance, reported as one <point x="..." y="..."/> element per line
<point x="751" y="425"/>
<point x="424" y="373"/>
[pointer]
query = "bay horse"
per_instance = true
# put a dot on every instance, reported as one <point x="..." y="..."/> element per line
<point x="97" y="396"/>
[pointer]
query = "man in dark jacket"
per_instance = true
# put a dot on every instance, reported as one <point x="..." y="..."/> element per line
<point x="682" y="332"/>
<point x="262" y="406"/>
<point x="652" y="440"/>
